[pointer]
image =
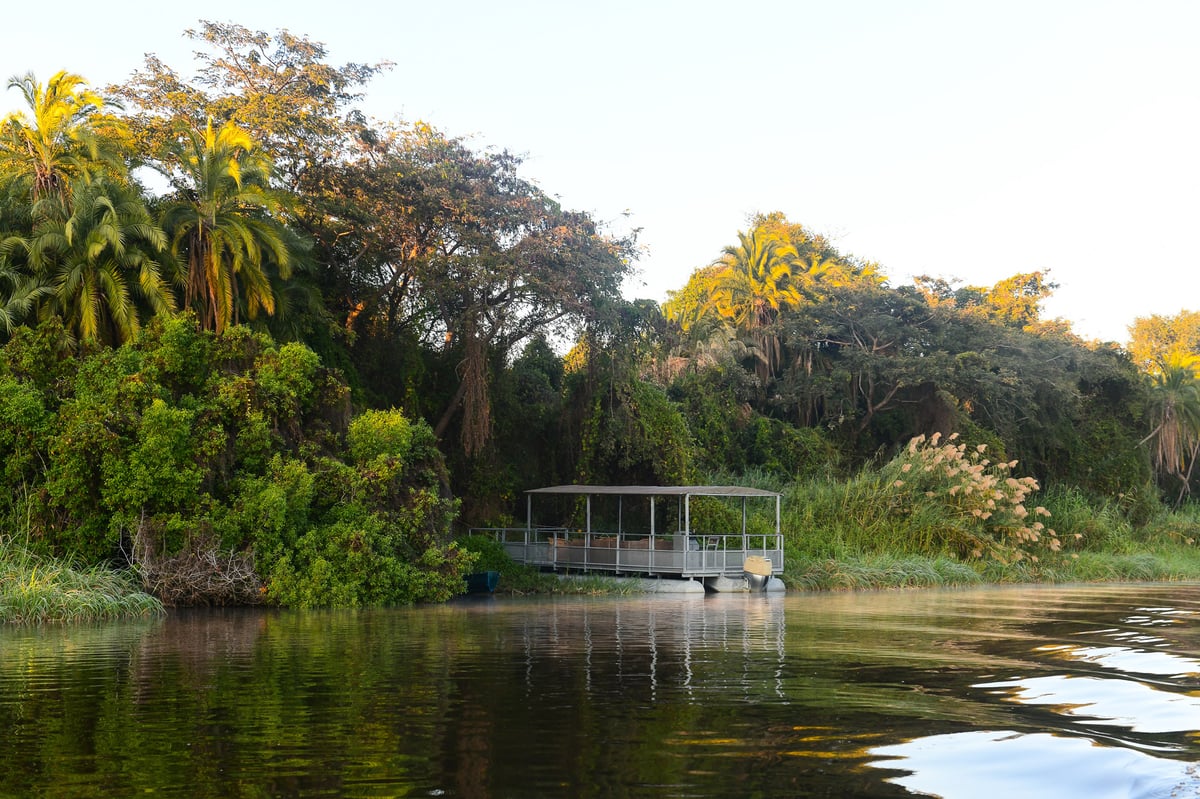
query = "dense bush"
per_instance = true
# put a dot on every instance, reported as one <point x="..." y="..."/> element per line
<point x="635" y="434"/>
<point x="225" y="467"/>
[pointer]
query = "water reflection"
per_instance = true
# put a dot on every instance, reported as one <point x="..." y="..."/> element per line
<point x="972" y="765"/>
<point x="664" y="643"/>
<point x="1127" y="659"/>
<point x="1121" y="721"/>
<point x="1068" y="692"/>
<point x="1119" y="703"/>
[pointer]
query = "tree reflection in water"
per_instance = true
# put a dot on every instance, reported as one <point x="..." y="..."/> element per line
<point x="874" y="694"/>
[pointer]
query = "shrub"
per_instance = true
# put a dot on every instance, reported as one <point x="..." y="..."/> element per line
<point x="984" y="497"/>
<point x="376" y="433"/>
<point x="932" y="499"/>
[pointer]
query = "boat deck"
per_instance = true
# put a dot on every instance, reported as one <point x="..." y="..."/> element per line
<point x="684" y="552"/>
<point x="676" y="554"/>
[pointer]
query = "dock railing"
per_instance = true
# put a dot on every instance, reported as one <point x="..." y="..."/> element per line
<point x="684" y="554"/>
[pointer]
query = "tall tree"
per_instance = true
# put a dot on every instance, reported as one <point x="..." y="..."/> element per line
<point x="822" y="264"/>
<point x="98" y="265"/>
<point x="222" y="226"/>
<point x="409" y="194"/>
<point x="775" y="269"/>
<point x="1015" y="301"/>
<point x="1153" y="339"/>
<point x="753" y="282"/>
<point x="279" y="88"/>
<point x="55" y="141"/>
<point x="1175" y="416"/>
<point x="452" y="247"/>
<point x="524" y="266"/>
<point x="301" y="110"/>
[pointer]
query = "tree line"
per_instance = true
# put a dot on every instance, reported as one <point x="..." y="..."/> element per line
<point x="430" y="278"/>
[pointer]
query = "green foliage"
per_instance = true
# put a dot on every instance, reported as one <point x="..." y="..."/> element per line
<point x="1178" y="528"/>
<point x="716" y="412"/>
<point x="932" y="499"/>
<point x="349" y="535"/>
<point x="186" y="442"/>
<point x="1089" y="524"/>
<point x="354" y="561"/>
<point x="24" y="423"/>
<point x="730" y="435"/>
<point x="636" y="434"/>
<point x="373" y="434"/>
<point x="784" y="449"/>
<point x="1155" y="339"/>
<point x="489" y="554"/>
<point x="162" y="467"/>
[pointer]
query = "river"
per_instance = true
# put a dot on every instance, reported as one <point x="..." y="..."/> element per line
<point x="1069" y="692"/>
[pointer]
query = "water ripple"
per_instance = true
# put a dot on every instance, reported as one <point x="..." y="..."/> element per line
<point x="1121" y="703"/>
<point x="1127" y="659"/>
<point x="984" y="764"/>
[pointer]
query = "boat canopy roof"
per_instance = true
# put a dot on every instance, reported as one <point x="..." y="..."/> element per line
<point x="657" y="491"/>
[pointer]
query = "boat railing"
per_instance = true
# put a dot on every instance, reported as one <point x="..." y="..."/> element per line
<point x="668" y="553"/>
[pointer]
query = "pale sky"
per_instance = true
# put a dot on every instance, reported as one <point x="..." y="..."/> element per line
<point x="958" y="139"/>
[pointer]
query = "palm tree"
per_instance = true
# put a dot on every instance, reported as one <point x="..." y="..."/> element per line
<point x="221" y="225"/>
<point x="100" y="268"/>
<point x="19" y="294"/>
<point x="818" y="274"/>
<point x="56" y="142"/>
<point x="1175" y="413"/>
<point x="752" y="284"/>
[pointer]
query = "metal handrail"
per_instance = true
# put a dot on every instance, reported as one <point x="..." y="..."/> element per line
<point x="621" y="552"/>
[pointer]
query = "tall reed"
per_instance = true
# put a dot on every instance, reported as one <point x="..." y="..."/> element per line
<point x="35" y="589"/>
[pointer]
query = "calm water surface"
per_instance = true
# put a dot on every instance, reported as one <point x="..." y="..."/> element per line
<point x="1058" y="692"/>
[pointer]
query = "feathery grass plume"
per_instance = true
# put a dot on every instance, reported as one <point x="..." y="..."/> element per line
<point x="987" y="508"/>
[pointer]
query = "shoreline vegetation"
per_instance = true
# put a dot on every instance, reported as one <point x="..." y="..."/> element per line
<point x="824" y="522"/>
<point x="834" y="535"/>
<point x="37" y="590"/>
<point x="288" y="376"/>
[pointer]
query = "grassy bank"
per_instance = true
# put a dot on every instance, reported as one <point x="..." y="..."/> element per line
<point x="866" y="572"/>
<point x="35" y="590"/>
<point x="941" y="514"/>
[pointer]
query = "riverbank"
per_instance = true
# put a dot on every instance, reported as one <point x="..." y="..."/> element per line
<point x="838" y="537"/>
<point x="915" y="571"/>
<point x="34" y="590"/>
<point x="849" y="572"/>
